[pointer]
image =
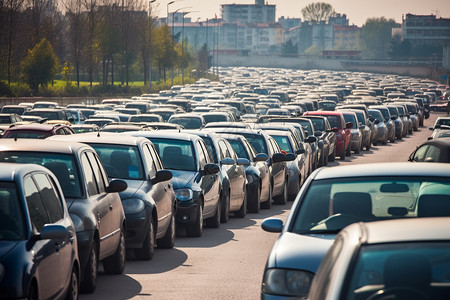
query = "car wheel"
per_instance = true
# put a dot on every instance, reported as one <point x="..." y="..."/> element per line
<point x="385" y="141"/>
<point x="74" y="285"/>
<point x="368" y="146"/>
<point x="253" y="204"/>
<point x="168" y="240"/>
<point x="348" y="151"/>
<point x="243" y="209"/>
<point x="89" y="282"/>
<point x="196" y="228"/>
<point x="148" y="246"/>
<point x="332" y="157"/>
<point x="115" y="264"/>
<point x="325" y="158"/>
<point x="268" y="204"/>
<point x="225" y="215"/>
<point x="214" y="221"/>
<point x="358" y="149"/>
<point x="282" y="199"/>
<point x="32" y="292"/>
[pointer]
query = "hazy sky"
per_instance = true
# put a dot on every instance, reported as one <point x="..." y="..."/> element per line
<point x="357" y="10"/>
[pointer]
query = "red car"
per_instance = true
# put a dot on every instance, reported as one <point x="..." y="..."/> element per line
<point x="338" y="125"/>
<point x="36" y="131"/>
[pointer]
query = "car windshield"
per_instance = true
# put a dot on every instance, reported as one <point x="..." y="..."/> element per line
<point x="188" y="123"/>
<point x="331" y="204"/>
<point x="13" y="110"/>
<point x="334" y="121"/>
<point x="257" y="141"/>
<point x="376" y="114"/>
<point x="120" y="161"/>
<point x="239" y="149"/>
<point x="176" y="154"/>
<point x="385" y="112"/>
<point x="5" y="119"/>
<point x="307" y="126"/>
<point x="28" y="134"/>
<point x="443" y="121"/>
<point x="393" y="111"/>
<point x="283" y="142"/>
<point x="11" y="216"/>
<point x="144" y="119"/>
<point x="351" y="118"/>
<point x="62" y="165"/>
<point x="47" y="115"/>
<point x="215" y="118"/>
<point x="360" y="117"/>
<point x="417" y="267"/>
<point x="318" y="124"/>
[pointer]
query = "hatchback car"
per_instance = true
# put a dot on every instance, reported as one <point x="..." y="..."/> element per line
<point x="149" y="201"/>
<point x="38" y="244"/>
<point x="333" y="198"/>
<point x="195" y="180"/>
<point x="373" y="261"/>
<point x="93" y="203"/>
<point x="435" y="150"/>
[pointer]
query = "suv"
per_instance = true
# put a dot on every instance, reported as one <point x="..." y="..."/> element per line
<point x="38" y="253"/>
<point x="93" y="202"/>
<point x="149" y="201"/>
<point x="36" y="131"/>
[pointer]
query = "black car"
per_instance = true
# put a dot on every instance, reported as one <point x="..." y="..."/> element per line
<point x="38" y="244"/>
<point x="93" y="201"/>
<point x="326" y="135"/>
<point x="195" y="179"/>
<point x="435" y="150"/>
<point x="149" y="201"/>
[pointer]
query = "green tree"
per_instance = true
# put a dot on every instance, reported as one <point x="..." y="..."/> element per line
<point x="40" y="66"/>
<point x="375" y="38"/>
<point x="289" y="48"/>
<point x="317" y="12"/>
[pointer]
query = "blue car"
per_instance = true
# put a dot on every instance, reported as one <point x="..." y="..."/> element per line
<point x="38" y="242"/>
<point x="333" y="198"/>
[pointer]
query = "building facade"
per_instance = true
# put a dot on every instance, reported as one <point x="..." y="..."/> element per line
<point x="248" y="13"/>
<point x="425" y="30"/>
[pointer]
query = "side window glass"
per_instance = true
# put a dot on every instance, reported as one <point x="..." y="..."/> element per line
<point x="222" y="149"/>
<point x="156" y="157"/>
<point x="38" y="213"/>
<point x="89" y="175"/>
<point x="208" y="155"/>
<point x="97" y="172"/>
<point x="433" y="154"/>
<point x="49" y="197"/>
<point x="420" y="153"/>
<point x="60" y="132"/>
<point x="149" y="161"/>
<point x="201" y="155"/>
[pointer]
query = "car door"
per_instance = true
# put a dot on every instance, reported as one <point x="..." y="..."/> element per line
<point x="160" y="192"/>
<point x="46" y="257"/>
<point x="239" y="175"/>
<point x="229" y="170"/>
<point x="278" y="168"/>
<point x="209" y="182"/>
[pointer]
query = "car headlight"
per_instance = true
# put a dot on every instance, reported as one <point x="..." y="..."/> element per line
<point x="77" y="222"/>
<point x="287" y="282"/>
<point x="2" y="271"/>
<point x="133" y="205"/>
<point x="184" y="194"/>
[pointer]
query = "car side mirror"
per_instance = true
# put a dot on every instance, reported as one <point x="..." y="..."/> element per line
<point x="300" y="151"/>
<point x="290" y="157"/>
<point x="371" y="119"/>
<point x="227" y="161"/>
<point x="278" y="157"/>
<point x="54" y="232"/>
<point x="243" y="162"/>
<point x="261" y="157"/>
<point x="349" y="125"/>
<point x="272" y="225"/>
<point x="211" y="169"/>
<point x="311" y="139"/>
<point x="335" y="129"/>
<point x="161" y="175"/>
<point x="394" y="117"/>
<point x="116" y="186"/>
<point x="317" y="133"/>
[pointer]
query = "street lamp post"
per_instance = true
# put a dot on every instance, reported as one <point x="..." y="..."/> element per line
<point x="182" y="47"/>
<point x="150" y="45"/>
<point x="173" y="50"/>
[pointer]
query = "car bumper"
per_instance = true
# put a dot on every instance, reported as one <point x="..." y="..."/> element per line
<point x="186" y="212"/>
<point x="137" y="225"/>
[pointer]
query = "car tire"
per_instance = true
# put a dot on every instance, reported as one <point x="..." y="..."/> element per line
<point x="74" y="285"/>
<point x="253" y="204"/>
<point x="214" y="221"/>
<point x="332" y="157"/>
<point x="196" y="229"/>
<point x="115" y="264"/>
<point x="268" y="204"/>
<point x="358" y="149"/>
<point x="148" y="246"/>
<point x="282" y="199"/>
<point x="242" y="212"/>
<point x="89" y="282"/>
<point x="225" y="215"/>
<point x="368" y="146"/>
<point x="348" y="151"/>
<point x="168" y="240"/>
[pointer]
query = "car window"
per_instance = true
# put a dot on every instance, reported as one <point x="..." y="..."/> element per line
<point x="12" y="225"/>
<point x="176" y="154"/>
<point x="223" y="150"/>
<point x="334" y="121"/>
<point x="149" y="161"/>
<point x="201" y="155"/>
<point x="60" y="131"/>
<point x="89" y="176"/>
<point x="49" y="197"/>
<point x="420" y="153"/>
<point x="283" y="142"/>
<point x="433" y="154"/>
<point x="207" y="153"/>
<point x="258" y="143"/>
<point x="231" y="151"/>
<point x="239" y="149"/>
<point x="38" y="214"/>
<point x="156" y="159"/>
<point x="99" y="178"/>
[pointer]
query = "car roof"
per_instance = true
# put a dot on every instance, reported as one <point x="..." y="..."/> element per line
<point x="100" y="138"/>
<point x="165" y="134"/>
<point x="384" y="169"/>
<point x="8" y="171"/>
<point x="33" y="126"/>
<point x="444" y="141"/>
<point x="37" y="145"/>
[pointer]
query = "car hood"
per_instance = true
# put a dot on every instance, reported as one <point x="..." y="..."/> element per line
<point x="6" y="247"/>
<point x="182" y="179"/>
<point x="133" y="187"/>
<point x="296" y="251"/>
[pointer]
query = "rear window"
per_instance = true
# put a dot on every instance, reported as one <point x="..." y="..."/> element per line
<point x="176" y="154"/>
<point x="28" y="134"/>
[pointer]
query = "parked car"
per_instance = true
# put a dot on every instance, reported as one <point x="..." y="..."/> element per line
<point x="93" y="202"/>
<point x="188" y="120"/>
<point x="382" y="134"/>
<point x="340" y="127"/>
<point x="400" y="127"/>
<point x="195" y="180"/>
<point x="233" y="182"/>
<point x="372" y="261"/>
<point x="327" y="135"/>
<point x="356" y="135"/>
<point x="435" y="150"/>
<point x="333" y="198"/>
<point x="146" y="118"/>
<point x="9" y="118"/>
<point x="38" y="252"/>
<point x="14" y="109"/>
<point x="36" y="131"/>
<point x="149" y="201"/>
<point x="51" y="114"/>
<point x="256" y="171"/>
<point x="388" y="120"/>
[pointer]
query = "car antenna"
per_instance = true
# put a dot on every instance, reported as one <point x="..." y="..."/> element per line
<point x="98" y="133"/>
